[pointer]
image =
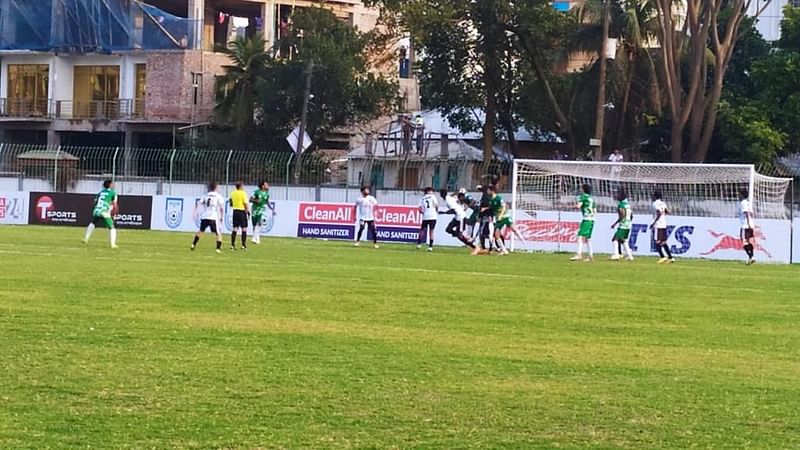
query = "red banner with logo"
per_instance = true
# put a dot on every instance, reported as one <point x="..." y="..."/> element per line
<point x="54" y="208"/>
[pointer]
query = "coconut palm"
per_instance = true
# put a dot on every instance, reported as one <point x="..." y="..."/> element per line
<point x="634" y="23"/>
<point x="238" y="88"/>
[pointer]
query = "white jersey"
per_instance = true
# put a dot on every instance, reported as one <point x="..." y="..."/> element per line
<point x="660" y="207"/>
<point x="429" y="207"/>
<point x="746" y="213"/>
<point x="452" y="202"/>
<point x="365" y="208"/>
<point x="211" y="204"/>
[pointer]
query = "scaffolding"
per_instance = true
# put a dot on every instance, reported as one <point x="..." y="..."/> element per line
<point x="91" y="26"/>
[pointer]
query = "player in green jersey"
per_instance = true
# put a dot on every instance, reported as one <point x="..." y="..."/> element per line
<point x="587" y="207"/>
<point x="623" y="224"/>
<point x="504" y="226"/>
<point x="105" y="205"/>
<point x="260" y="201"/>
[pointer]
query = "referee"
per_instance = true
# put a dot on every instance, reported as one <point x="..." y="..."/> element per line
<point x="241" y="209"/>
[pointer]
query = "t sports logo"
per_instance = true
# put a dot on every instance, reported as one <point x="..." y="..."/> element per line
<point x="46" y="212"/>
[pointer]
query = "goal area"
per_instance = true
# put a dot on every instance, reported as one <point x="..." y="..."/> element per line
<point x="692" y="190"/>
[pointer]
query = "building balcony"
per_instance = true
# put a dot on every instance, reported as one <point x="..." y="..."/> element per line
<point x="122" y="109"/>
<point x="24" y="108"/>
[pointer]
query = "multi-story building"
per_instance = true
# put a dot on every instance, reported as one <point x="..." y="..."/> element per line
<point x="124" y="72"/>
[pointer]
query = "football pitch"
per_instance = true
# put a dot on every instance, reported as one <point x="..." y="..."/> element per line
<point x="306" y="344"/>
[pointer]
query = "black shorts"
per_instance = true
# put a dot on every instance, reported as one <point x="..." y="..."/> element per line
<point x="206" y="224"/>
<point x="747" y="233"/>
<point x="455" y="227"/>
<point x="429" y="224"/>
<point x="239" y="218"/>
<point x="661" y="235"/>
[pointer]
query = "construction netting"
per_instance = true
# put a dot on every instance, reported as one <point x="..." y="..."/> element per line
<point x="91" y="26"/>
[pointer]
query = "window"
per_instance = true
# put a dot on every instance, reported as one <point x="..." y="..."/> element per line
<point x="96" y="92"/>
<point x="197" y="88"/>
<point x="141" y="89"/>
<point x="376" y="176"/>
<point x="28" y="86"/>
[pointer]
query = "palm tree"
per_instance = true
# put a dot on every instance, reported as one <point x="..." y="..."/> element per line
<point x="238" y="88"/>
<point x="634" y="23"/>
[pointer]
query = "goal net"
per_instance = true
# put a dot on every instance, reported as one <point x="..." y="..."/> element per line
<point x="695" y="190"/>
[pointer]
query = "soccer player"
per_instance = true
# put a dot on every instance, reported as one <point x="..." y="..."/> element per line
<point x="365" y="211"/>
<point x="588" y="209"/>
<point x="623" y="224"/>
<point x="499" y="211"/>
<point x="260" y="201"/>
<point x="105" y="205"/>
<point x="429" y="207"/>
<point x="213" y="206"/>
<point x="748" y="225"/>
<point x="659" y="225"/>
<point x="484" y="221"/>
<point x="506" y="226"/>
<point x="241" y="209"/>
<point x="455" y="206"/>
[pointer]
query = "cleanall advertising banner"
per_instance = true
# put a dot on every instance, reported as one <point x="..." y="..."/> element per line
<point x="52" y="208"/>
<point x="393" y="223"/>
<point x="13" y="208"/>
<point x="689" y="237"/>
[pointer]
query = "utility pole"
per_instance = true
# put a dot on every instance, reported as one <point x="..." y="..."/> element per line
<point x="600" y="111"/>
<point x="303" y="119"/>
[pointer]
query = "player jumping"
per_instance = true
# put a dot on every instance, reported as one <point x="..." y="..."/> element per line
<point x="105" y="205"/>
<point x="365" y="211"/>
<point x="623" y="224"/>
<point x="747" y="232"/>
<point x="587" y="206"/>
<point x="213" y="210"/>
<point x="429" y="207"/>
<point x="455" y="205"/>
<point x="659" y="225"/>
<point x="260" y="201"/>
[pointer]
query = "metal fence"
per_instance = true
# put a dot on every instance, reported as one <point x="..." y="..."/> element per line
<point x="187" y="171"/>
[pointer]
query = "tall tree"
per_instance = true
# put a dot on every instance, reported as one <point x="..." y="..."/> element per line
<point x="239" y="86"/>
<point x="702" y="43"/>
<point x="265" y="95"/>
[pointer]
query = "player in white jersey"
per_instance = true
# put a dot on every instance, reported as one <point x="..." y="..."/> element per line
<point x="365" y="212"/>
<point x="429" y="207"/>
<point x="747" y="232"/>
<point x="457" y="206"/>
<point x="659" y="225"/>
<point x="212" y="210"/>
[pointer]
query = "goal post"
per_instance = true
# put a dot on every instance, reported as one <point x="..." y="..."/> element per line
<point x="547" y="190"/>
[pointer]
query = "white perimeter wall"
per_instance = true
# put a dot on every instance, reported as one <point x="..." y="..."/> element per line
<point x="689" y="237"/>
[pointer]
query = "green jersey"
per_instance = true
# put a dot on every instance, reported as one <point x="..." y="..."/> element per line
<point x="587" y="206"/>
<point x="497" y="206"/>
<point x="260" y="202"/>
<point x="103" y="202"/>
<point x="627" y="215"/>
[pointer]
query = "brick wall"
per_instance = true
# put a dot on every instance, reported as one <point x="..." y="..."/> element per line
<point x="169" y="85"/>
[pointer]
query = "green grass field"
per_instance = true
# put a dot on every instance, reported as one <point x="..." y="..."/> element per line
<point x="307" y="344"/>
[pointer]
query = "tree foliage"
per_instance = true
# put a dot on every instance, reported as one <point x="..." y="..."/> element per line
<point x="263" y="94"/>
